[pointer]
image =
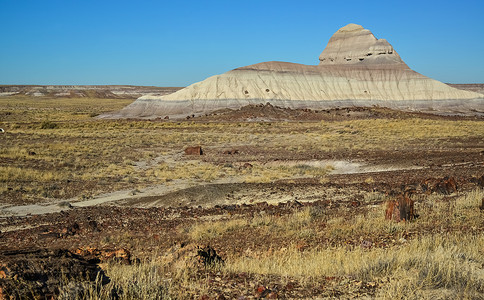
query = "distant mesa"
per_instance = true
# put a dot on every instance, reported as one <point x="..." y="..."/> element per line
<point x="84" y="91"/>
<point x="355" y="69"/>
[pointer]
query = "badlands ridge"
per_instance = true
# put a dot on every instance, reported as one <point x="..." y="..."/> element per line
<point x="355" y="69"/>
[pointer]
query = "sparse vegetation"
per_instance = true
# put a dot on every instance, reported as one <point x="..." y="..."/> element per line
<point x="370" y="255"/>
<point x="338" y="245"/>
<point x="110" y="150"/>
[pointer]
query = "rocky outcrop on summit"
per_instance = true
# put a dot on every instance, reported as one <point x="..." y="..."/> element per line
<point x="355" y="69"/>
<point x="353" y="44"/>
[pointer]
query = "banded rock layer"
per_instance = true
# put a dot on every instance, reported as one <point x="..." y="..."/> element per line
<point x="355" y="69"/>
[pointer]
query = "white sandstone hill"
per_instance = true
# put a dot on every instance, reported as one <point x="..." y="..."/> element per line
<point x="355" y="69"/>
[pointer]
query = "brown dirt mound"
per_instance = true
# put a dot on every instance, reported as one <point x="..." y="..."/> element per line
<point x="268" y="112"/>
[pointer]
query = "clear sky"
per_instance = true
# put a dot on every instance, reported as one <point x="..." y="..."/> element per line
<point x="177" y="43"/>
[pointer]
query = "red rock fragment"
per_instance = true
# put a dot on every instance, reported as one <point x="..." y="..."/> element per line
<point x="265" y="293"/>
<point x="120" y="255"/>
<point x="391" y="211"/>
<point x="197" y="150"/>
<point x="479" y="181"/>
<point x="366" y="244"/>
<point x="445" y="186"/>
<point x="70" y="230"/>
<point x="290" y="285"/>
<point x="301" y="246"/>
<point x="246" y="166"/>
<point x="2" y="294"/>
<point x="231" y="152"/>
<point x="401" y="209"/>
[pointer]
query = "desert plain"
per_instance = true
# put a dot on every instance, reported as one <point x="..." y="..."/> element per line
<point x="282" y="203"/>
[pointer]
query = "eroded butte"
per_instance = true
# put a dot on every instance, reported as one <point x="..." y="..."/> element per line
<point x="355" y="69"/>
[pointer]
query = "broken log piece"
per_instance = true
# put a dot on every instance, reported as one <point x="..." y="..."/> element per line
<point x="197" y="150"/>
<point x="400" y="209"/>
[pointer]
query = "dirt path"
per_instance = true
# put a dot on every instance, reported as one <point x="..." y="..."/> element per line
<point x="186" y="190"/>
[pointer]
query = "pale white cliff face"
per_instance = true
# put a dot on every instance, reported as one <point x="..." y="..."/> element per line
<point x="316" y="83"/>
<point x="355" y="69"/>
<point x="353" y="44"/>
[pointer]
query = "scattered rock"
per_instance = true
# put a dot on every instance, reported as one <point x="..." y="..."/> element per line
<point x="70" y="230"/>
<point x="401" y="209"/>
<point x="392" y="211"/>
<point x="103" y="255"/>
<point x="66" y="231"/>
<point x="231" y="152"/>
<point x="301" y="246"/>
<point x="209" y="257"/>
<point x="355" y="203"/>
<point x="197" y="150"/>
<point x="445" y="186"/>
<point x="366" y="244"/>
<point x="246" y="166"/>
<point x="263" y="292"/>
<point x="64" y="204"/>
<point x="92" y="225"/>
<point x="478" y="180"/>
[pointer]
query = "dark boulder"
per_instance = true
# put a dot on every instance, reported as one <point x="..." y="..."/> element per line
<point x="45" y="274"/>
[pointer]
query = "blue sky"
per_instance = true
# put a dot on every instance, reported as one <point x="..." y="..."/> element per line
<point x="176" y="43"/>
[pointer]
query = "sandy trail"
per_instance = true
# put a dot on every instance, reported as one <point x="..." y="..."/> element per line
<point x="130" y="197"/>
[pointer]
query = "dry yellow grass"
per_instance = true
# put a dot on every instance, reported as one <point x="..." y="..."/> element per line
<point x="27" y="175"/>
<point x="452" y="262"/>
<point x="151" y="279"/>
<point x="264" y="173"/>
<point x="431" y="265"/>
<point x="291" y="225"/>
<point x="419" y="268"/>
